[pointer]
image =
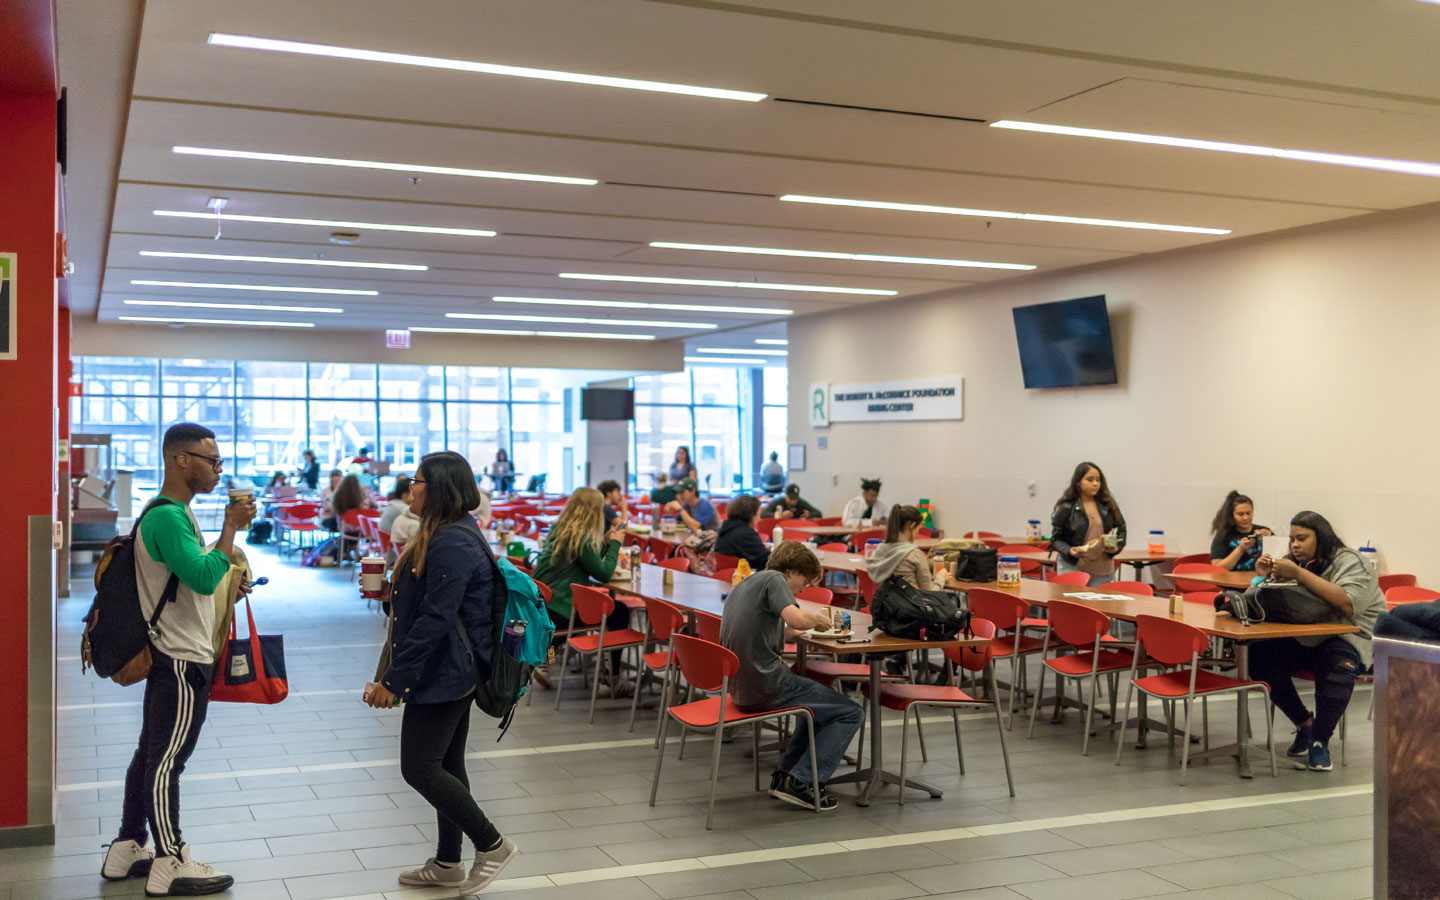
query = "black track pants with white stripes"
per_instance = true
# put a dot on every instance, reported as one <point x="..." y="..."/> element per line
<point x="176" y="696"/>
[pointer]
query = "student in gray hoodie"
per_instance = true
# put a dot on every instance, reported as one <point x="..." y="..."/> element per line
<point x="899" y="555"/>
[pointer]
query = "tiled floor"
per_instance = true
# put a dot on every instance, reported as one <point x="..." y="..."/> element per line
<point x="303" y="801"/>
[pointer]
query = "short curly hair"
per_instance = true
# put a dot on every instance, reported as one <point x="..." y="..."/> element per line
<point x="792" y="556"/>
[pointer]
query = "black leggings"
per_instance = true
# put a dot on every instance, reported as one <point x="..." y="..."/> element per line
<point x="1334" y="663"/>
<point x="618" y="618"/>
<point x="432" y="761"/>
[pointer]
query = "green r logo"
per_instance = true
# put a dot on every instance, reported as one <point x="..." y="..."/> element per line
<point x="818" y="400"/>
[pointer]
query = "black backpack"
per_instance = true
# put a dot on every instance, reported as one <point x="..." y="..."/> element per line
<point x="902" y="610"/>
<point x="116" y="642"/>
<point x="1287" y="602"/>
<point x="977" y="564"/>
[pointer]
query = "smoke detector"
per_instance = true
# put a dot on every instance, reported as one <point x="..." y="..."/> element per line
<point x="344" y="237"/>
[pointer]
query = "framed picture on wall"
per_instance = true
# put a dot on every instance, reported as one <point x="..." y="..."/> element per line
<point x="7" y="306"/>
<point x="797" y="458"/>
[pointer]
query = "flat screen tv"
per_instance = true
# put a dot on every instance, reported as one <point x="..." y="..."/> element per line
<point x="1065" y="344"/>
<point x="607" y="404"/>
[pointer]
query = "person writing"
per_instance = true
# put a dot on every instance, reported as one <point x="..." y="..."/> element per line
<point x="1321" y="563"/>
<point x="445" y="580"/>
<point x="681" y="467"/>
<point x="615" y="503"/>
<point x="772" y="476"/>
<point x="751" y="628"/>
<point x="309" y="470"/>
<point x="1081" y="526"/>
<point x="170" y="558"/>
<point x="501" y="472"/>
<point x="791" y="505"/>
<point x="866" y="506"/>
<point x="1237" y="538"/>
<point x="738" y="536"/>
<point x="694" y="511"/>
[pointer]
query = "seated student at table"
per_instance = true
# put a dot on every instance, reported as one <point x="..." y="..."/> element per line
<point x="866" y="506"/>
<point x="327" y="497"/>
<point x="309" y="470"/>
<point x="1083" y="516"/>
<point x="663" y="492"/>
<point x="615" y="503"/>
<point x="791" y="505"/>
<point x="1237" y="538"/>
<point x="694" y="511"/>
<point x="501" y="472"/>
<point x="350" y="495"/>
<point x="772" y="476"/>
<point x="751" y="628"/>
<point x="277" y="480"/>
<point x="738" y="536"/>
<point x="579" y="551"/>
<point x="899" y="555"/>
<point x="397" y="504"/>
<point x="1321" y="563"/>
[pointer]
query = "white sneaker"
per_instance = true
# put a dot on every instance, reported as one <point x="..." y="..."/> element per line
<point x="434" y="873"/>
<point x="181" y="876"/>
<point x="487" y="867"/>
<point x="126" y="859"/>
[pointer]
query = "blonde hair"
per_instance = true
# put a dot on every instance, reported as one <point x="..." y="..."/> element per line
<point x="581" y="525"/>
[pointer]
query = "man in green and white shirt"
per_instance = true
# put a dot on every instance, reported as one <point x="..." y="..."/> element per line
<point x="182" y="669"/>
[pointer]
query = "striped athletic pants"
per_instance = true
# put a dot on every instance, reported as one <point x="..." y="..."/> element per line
<point x="177" y="694"/>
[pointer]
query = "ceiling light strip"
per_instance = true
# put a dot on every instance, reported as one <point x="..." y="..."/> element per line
<point x="854" y="257"/>
<point x="184" y="321"/>
<point x="280" y="289"/>
<point x="220" y="39"/>
<point x="999" y="214"/>
<point x="634" y="323"/>
<point x="1407" y="167"/>
<point x="745" y="350"/>
<point x="780" y="342"/>
<point x="752" y="361"/>
<point x="636" y="304"/>
<point x="600" y="336"/>
<point x="251" y="306"/>
<point x="328" y="223"/>
<point x="370" y="164"/>
<point x="287" y="260"/>
<point x="711" y="282"/>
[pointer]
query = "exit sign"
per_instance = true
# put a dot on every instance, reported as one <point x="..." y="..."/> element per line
<point x="397" y="340"/>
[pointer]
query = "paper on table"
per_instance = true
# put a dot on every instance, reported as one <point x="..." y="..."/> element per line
<point x="1091" y="595"/>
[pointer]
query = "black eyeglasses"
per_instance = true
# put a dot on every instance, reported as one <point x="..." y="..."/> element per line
<point x="215" y="461"/>
<point x="415" y="481"/>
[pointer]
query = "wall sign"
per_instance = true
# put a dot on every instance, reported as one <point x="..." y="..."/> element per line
<point x="9" y="331"/>
<point x="797" y="458"/>
<point x="915" y="399"/>
<point x="819" y="404"/>
<point x="397" y="339"/>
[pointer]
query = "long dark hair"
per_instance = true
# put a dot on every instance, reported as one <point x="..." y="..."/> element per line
<point x="688" y="461"/>
<point x="1072" y="493"/>
<point x="349" y="495"/>
<point x="450" y="494"/>
<point x="901" y="518"/>
<point x="1327" y="542"/>
<point x="1225" y="518"/>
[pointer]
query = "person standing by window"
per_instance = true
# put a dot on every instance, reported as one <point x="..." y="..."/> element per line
<point x="1237" y="538"/>
<point x="682" y="467"/>
<point x="1080" y="526"/>
<point x="309" y="470"/>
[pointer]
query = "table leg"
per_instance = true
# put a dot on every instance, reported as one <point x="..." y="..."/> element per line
<point x="1242" y="710"/>
<point x="877" y="758"/>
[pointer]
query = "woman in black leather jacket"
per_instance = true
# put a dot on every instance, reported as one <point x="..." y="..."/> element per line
<point x="1083" y="518"/>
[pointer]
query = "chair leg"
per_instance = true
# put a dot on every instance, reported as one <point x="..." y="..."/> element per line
<point x="665" y="691"/>
<point x="714" y="776"/>
<point x="860" y="748"/>
<point x="1185" y="750"/>
<point x="904" y="746"/>
<point x="564" y="669"/>
<point x="920" y="735"/>
<point x="1089" y="710"/>
<point x="660" y="756"/>
<point x="755" y="751"/>
<point x="959" y="748"/>
<point x="595" y="684"/>
<point x="1205" y="723"/>
<point x="685" y="730"/>
<point x="1124" y="720"/>
<point x="640" y="676"/>
<point x="1016" y="671"/>
<point x="1270" y="739"/>
<point x="1035" y="704"/>
<point x="814" y="764"/>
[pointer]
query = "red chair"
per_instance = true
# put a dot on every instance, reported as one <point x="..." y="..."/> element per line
<point x="707" y="626"/>
<point x="1006" y="611"/>
<point x="1030" y="567"/>
<point x="905" y="697"/>
<point x="591" y="605"/>
<point x="300" y="518"/>
<point x="766" y="528"/>
<point x="664" y="619"/>
<point x="1178" y="647"/>
<point x="661" y="548"/>
<point x="1184" y="586"/>
<point x="993" y="543"/>
<point x="831" y="520"/>
<point x="816" y="594"/>
<point x="385" y="542"/>
<point x="520" y="563"/>
<point x="350" y="532"/>
<point x="725" y="561"/>
<point x="1138" y="588"/>
<point x="677" y="563"/>
<point x="924" y="532"/>
<point x="709" y="667"/>
<point x="867" y="586"/>
<point x="1073" y="579"/>
<point x="1194" y="559"/>
<point x="858" y="539"/>
<point x="1393" y="581"/>
<point x="1403" y="594"/>
<point x="1084" y="630"/>
<point x="725" y="575"/>
<point x="981" y="535"/>
<point x="834" y="548"/>
<point x="1205" y="598"/>
<point x="647" y="558"/>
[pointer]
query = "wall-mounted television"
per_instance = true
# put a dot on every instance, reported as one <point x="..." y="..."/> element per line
<point x="607" y="404"/>
<point x="1065" y="344"/>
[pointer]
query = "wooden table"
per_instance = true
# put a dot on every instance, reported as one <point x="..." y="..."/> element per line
<point x="1230" y="581"/>
<point x="1137" y="559"/>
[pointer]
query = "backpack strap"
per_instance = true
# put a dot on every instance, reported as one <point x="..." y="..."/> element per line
<point x="467" y="525"/>
<point x="172" y="585"/>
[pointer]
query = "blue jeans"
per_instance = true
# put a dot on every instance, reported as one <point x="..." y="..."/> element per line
<point x="1064" y="565"/>
<point x="837" y="718"/>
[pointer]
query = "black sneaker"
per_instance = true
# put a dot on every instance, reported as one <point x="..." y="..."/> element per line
<point x="1301" y="748"/>
<point x="801" y="793"/>
<point x="894" y="665"/>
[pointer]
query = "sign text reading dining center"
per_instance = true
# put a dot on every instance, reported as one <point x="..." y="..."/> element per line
<point x="914" y="399"/>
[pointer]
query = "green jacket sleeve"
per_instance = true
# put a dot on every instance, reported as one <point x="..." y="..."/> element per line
<point x="601" y="568"/>
<point x="171" y="539"/>
<point x="811" y="511"/>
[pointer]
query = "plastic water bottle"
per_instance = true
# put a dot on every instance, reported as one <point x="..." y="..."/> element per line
<point x="1371" y="556"/>
<point x="777" y="536"/>
<point x="1157" y="542"/>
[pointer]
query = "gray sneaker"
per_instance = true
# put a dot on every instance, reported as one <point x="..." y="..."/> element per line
<point x="487" y="867"/>
<point x="126" y="859"/>
<point x="432" y="873"/>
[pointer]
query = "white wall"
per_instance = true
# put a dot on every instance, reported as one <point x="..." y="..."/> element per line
<point x="1297" y="367"/>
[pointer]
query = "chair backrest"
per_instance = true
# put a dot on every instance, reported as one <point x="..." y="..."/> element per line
<point x="725" y="560"/>
<point x="1194" y="568"/>
<point x="664" y="618"/>
<point x="520" y="563"/>
<point x="1078" y="625"/>
<point x="1027" y="566"/>
<point x="858" y="539"/>
<point x="351" y="517"/>
<point x="677" y="563"/>
<point x="924" y="532"/>
<point x="1393" y="581"/>
<point x="1193" y="558"/>
<point x="1138" y="588"/>
<point x="544" y="590"/>
<point x="647" y="557"/>
<point x="706" y="664"/>
<point x="1398" y="595"/>
<point x="385" y="542"/>
<point x="725" y="575"/>
<point x="592" y="604"/>
<point x="707" y="625"/>
<point x="974" y="659"/>
<point x="981" y="534"/>
<point x="867" y="586"/>
<point x="661" y="548"/>
<point x="304" y="510"/>
<point x="817" y="594"/>
<point x="630" y="539"/>
<point x="1203" y="597"/>
<point x="1073" y="579"/>
<point x="369" y="513"/>
<point x="993" y="543"/>
<point x="766" y="527"/>
<point x="1005" y="610"/>
<point x="1170" y="641"/>
<point x="835" y="547"/>
<point x="829" y="520"/>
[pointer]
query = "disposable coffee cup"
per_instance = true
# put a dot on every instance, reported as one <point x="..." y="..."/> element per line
<point x="372" y="577"/>
<point x="239" y="494"/>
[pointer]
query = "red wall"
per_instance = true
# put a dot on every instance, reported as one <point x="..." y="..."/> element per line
<point x="28" y="384"/>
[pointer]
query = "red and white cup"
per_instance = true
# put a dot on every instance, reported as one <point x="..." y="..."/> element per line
<point x="372" y="577"/>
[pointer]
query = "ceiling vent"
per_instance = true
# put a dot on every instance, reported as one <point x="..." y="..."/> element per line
<point x="345" y="237"/>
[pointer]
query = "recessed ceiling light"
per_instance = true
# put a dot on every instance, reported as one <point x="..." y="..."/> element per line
<point x="369" y="164"/>
<point x="327" y="223"/>
<point x="464" y="65"/>
<point x="710" y="282"/>
<point x="252" y="306"/>
<point x="776" y="341"/>
<point x="825" y="254"/>
<point x="287" y="260"/>
<point x="570" y="320"/>
<point x="176" y="319"/>
<point x="998" y="214"/>
<point x="561" y="334"/>
<point x="277" y="288"/>
<point x="636" y="304"/>
<point x="750" y="361"/>
<point x="1334" y="159"/>
<point x="745" y="350"/>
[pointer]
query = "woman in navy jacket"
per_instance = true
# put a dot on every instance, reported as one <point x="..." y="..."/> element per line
<point x="445" y="580"/>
